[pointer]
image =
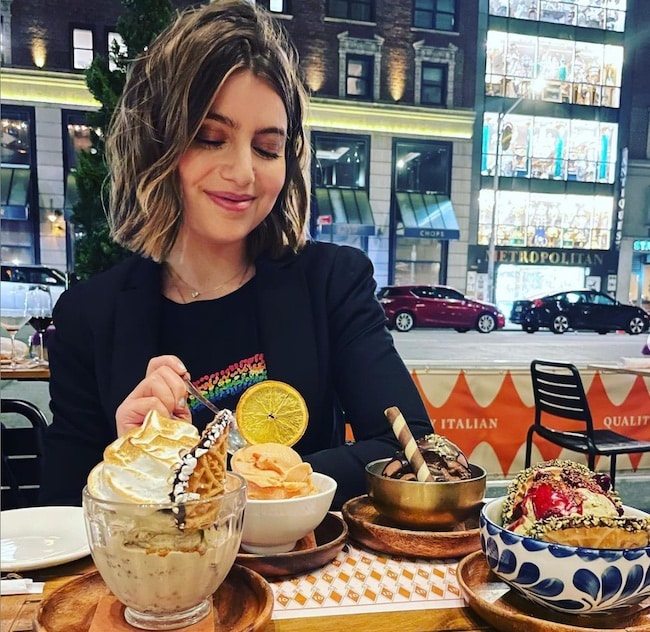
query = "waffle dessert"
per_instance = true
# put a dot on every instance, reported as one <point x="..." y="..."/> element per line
<point x="445" y="460"/>
<point x="201" y="471"/>
<point x="565" y="502"/>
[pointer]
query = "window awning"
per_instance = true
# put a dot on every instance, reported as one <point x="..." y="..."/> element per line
<point x="14" y="186"/>
<point x="428" y="215"/>
<point x="344" y="211"/>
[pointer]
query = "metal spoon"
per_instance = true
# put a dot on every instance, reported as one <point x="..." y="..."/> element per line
<point x="235" y="440"/>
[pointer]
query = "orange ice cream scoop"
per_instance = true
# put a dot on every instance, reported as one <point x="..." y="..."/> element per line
<point x="273" y="471"/>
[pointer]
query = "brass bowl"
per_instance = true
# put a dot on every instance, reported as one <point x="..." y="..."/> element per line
<point x="432" y="506"/>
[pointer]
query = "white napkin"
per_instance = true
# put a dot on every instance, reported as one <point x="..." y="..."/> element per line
<point x="20" y="587"/>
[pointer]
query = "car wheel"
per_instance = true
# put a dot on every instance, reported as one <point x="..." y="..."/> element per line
<point x="486" y="323"/>
<point x="635" y="326"/>
<point x="404" y="321"/>
<point x="560" y="324"/>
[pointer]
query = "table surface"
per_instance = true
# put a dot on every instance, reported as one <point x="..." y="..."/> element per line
<point x="41" y="373"/>
<point x="17" y="612"/>
<point x="616" y="368"/>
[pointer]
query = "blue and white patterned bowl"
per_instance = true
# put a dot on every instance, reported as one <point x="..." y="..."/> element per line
<point x="568" y="579"/>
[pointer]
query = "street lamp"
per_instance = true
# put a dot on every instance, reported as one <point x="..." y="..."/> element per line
<point x="495" y="186"/>
<point x="534" y="88"/>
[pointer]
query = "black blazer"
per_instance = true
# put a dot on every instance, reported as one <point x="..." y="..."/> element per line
<point x="322" y="331"/>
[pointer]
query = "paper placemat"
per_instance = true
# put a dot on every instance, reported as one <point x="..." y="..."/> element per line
<point x="359" y="580"/>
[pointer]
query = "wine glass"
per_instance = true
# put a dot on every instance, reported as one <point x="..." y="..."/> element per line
<point x="13" y="320"/>
<point x="38" y="309"/>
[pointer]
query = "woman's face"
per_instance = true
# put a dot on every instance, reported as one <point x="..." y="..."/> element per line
<point x="235" y="168"/>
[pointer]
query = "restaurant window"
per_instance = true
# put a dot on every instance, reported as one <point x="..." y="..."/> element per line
<point x="359" y="10"/>
<point x="82" y="48"/>
<point x="433" y="89"/>
<point x="116" y="47"/>
<point x="18" y="191"/>
<point x="342" y="211"/>
<point x="594" y="14"/>
<point x="583" y="73"/>
<point x="422" y="215"/>
<point x="435" y="14"/>
<point x="545" y="220"/>
<point x="551" y="148"/>
<point x="359" y="77"/>
<point x="77" y="138"/>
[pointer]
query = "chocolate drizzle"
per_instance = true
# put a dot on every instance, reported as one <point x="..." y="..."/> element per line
<point x="184" y="469"/>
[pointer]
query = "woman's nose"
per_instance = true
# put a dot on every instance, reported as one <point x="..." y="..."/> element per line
<point x="239" y="165"/>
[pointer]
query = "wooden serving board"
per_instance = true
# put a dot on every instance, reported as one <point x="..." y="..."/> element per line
<point x="243" y="603"/>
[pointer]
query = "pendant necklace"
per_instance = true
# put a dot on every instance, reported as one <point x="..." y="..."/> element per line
<point x="194" y="293"/>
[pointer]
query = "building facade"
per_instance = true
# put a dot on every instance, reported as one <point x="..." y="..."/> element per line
<point x="551" y="147"/>
<point x="391" y="121"/>
<point x="443" y="132"/>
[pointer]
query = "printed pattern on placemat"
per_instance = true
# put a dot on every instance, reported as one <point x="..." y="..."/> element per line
<point x="358" y="578"/>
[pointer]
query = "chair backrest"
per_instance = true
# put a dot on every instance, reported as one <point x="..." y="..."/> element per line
<point x="558" y="390"/>
<point x="22" y="449"/>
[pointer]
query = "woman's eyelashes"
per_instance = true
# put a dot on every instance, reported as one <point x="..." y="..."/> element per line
<point x="269" y="150"/>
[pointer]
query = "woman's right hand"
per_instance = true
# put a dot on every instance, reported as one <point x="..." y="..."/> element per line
<point x="162" y="389"/>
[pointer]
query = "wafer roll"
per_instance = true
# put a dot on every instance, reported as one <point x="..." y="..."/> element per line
<point x="407" y="441"/>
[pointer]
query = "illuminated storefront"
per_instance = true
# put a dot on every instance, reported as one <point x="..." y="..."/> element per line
<point x="550" y="126"/>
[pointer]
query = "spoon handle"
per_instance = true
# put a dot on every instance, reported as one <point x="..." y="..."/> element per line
<point x="198" y="395"/>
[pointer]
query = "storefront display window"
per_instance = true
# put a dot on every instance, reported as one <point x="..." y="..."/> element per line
<point x="573" y="72"/>
<point x="596" y="14"/>
<point x="547" y="220"/>
<point x="552" y="148"/>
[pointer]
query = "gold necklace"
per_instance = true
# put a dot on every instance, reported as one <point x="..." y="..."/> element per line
<point x="194" y="293"/>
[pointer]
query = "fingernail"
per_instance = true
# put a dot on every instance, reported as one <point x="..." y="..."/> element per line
<point x="182" y="402"/>
<point x="181" y="367"/>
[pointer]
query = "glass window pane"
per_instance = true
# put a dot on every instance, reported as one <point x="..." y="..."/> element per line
<point x="340" y="216"/>
<point x="365" y="211"/>
<point x="82" y="59"/>
<point x="82" y="38"/>
<point x="15" y="145"/>
<point x="19" y="187"/>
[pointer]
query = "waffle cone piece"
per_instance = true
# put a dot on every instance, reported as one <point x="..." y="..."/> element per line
<point x="201" y="474"/>
<point x="624" y="532"/>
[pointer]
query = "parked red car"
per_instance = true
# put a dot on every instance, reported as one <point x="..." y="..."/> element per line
<point x="408" y="306"/>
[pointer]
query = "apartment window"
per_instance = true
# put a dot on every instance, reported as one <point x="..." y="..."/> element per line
<point x="116" y="47"/>
<point x="435" y="14"/>
<point x="82" y="48"/>
<point x="276" y="6"/>
<point x="434" y="85"/>
<point x="360" y="10"/>
<point x="359" y="77"/>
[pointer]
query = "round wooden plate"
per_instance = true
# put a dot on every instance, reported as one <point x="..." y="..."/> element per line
<point x="507" y="611"/>
<point x="243" y="603"/>
<point x="369" y="528"/>
<point x="330" y="538"/>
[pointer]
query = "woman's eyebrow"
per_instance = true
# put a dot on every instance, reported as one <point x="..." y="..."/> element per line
<point x="220" y="118"/>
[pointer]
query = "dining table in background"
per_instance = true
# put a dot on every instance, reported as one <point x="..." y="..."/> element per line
<point x="643" y="371"/>
<point x="17" y="612"/>
<point x="25" y="372"/>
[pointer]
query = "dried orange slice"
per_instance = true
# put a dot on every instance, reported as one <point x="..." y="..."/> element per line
<point x="271" y="412"/>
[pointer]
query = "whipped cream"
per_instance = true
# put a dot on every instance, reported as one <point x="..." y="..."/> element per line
<point x="138" y="466"/>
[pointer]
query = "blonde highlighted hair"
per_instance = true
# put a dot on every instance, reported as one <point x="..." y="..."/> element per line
<point x="168" y="92"/>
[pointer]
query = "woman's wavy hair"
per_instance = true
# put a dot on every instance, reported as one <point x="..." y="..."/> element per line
<point x="168" y="92"/>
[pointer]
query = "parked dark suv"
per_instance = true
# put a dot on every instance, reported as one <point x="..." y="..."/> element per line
<point x="408" y="306"/>
<point x="578" y="309"/>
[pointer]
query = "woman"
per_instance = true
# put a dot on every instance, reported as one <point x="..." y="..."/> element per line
<point x="208" y="158"/>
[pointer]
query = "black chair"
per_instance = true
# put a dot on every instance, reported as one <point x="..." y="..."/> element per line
<point x="22" y="449"/>
<point x="558" y="391"/>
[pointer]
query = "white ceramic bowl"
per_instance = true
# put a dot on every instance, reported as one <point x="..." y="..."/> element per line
<point x="274" y="526"/>
<point x="568" y="579"/>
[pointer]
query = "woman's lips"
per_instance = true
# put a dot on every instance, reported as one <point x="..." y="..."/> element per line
<point x="231" y="201"/>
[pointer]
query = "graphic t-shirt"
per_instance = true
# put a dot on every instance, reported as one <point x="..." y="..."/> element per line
<point x="219" y="343"/>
